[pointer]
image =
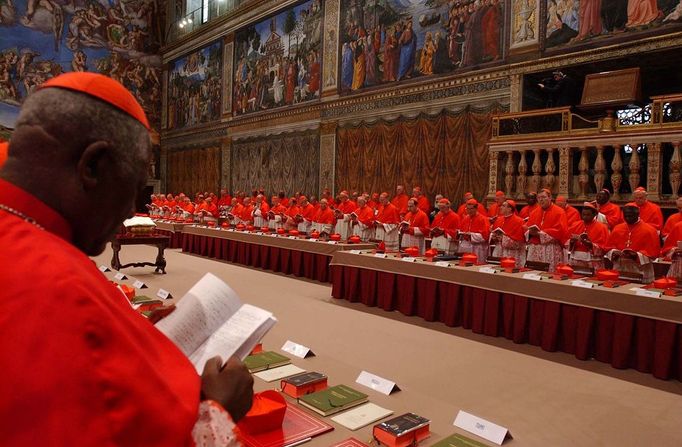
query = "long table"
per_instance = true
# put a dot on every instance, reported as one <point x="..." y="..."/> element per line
<point x="292" y="256"/>
<point x="615" y="326"/>
<point x="172" y="229"/>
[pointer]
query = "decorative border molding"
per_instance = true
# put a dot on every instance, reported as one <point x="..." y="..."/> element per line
<point x="228" y="55"/>
<point x="327" y="162"/>
<point x="193" y="138"/>
<point x="331" y="45"/>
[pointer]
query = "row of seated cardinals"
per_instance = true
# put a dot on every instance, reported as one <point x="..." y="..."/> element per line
<point x="609" y="215"/>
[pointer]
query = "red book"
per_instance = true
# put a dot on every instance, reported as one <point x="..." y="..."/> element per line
<point x="350" y="442"/>
<point x="297" y="426"/>
<point x="304" y="383"/>
<point x="402" y="431"/>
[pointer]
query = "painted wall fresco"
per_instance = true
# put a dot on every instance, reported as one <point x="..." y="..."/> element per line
<point x="195" y="87"/>
<point x="393" y="40"/>
<point x="40" y="39"/>
<point x="277" y="61"/>
<point x="596" y="22"/>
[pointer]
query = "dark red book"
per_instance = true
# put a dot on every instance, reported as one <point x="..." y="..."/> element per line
<point x="297" y="426"/>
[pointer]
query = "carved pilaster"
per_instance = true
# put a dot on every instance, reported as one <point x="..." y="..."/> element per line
<point x="599" y="169"/>
<point x="327" y="162"/>
<point x="617" y="167"/>
<point x="550" y="168"/>
<point x="654" y="169"/>
<point x="583" y="173"/>
<point x="509" y="173"/>
<point x="675" y="168"/>
<point x="331" y="46"/>
<point x="516" y="93"/>
<point x="536" y="179"/>
<point x="228" y="56"/>
<point x="564" y="173"/>
<point x="521" y="179"/>
<point x="634" y="166"/>
<point x="492" y="173"/>
<point x="226" y="163"/>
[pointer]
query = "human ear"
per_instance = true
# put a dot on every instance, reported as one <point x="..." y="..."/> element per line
<point x="92" y="163"/>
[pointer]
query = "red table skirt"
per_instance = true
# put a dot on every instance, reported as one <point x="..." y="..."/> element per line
<point x="291" y="262"/>
<point x="176" y="238"/>
<point x="624" y="341"/>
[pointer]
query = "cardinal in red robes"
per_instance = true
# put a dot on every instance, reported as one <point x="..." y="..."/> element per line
<point x="588" y="238"/>
<point x="444" y="229"/>
<point x="532" y="201"/>
<point x="461" y="211"/>
<point x="671" y="251"/>
<point x="494" y="209"/>
<point x="474" y="231"/>
<point x="673" y="220"/>
<point x="422" y="201"/>
<point x="387" y="223"/>
<point x="508" y="234"/>
<point x="362" y="220"/>
<point x="547" y="232"/>
<point x="649" y="212"/>
<point x="104" y="375"/>
<point x="572" y="214"/>
<point x="414" y="227"/>
<point x="609" y="213"/>
<point x="324" y="220"/>
<point x="400" y="200"/>
<point x="633" y="245"/>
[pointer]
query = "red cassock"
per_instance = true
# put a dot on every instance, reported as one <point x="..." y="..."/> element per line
<point x="79" y="365"/>
<point x="237" y="210"/>
<point x="212" y="209"/>
<point x="278" y="209"/>
<point x="596" y="231"/>
<point x="373" y="204"/>
<point x="419" y="220"/>
<point x="264" y="207"/>
<point x="494" y="210"/>
<point x="365" y="215"/>
<point x="388" y="214"/>
<point x="225" y="200"/>
<point x="324" y="216"/>
<point x="347" y="207"/>
<point x="449" y="223"/>
<point x="293" y="211"/>
<point x="527" y="210"/>
<point x="552" y="221"/>
<point x="513" y="227"/>
<point x="308" y="212"/>
<point x="670" y="223"/>
<point x="423" y="204"/>
<point x="400" y="202"/>
<point x="612" y="213"/>
<point x="673" y="238"/>
<point x="651" y="214"/>
<point x="572" y="215"/>
<point x="476" y="224"/>
<point x="640" y="237"/>
<point x="247" y="213"/>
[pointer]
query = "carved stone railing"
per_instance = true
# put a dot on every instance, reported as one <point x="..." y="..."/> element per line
<point x="575" y="157"/>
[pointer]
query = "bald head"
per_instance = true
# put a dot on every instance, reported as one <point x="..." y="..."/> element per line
<point x="84" y="158"/>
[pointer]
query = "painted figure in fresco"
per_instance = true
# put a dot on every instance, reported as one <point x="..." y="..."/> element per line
<point x="428" y="52"/>
<point x="79" y="61"/>
<point x="441" y="60"/>
<point x="642" y="13"/>
<point x="614" y="14"/>
<point x="566" y="14"/>
<point x="408" y="49"/>
<point x="491" y="24"/>
<point x="290" y="81"/>
<point x="589" y="13"/>
<point x="525" y="31"/>
<point x="391" y="55"/>
<point x="346" y="65"/>
<point x="455" y="37"/>
<point x="473" y="38"/>
<point x="315" y="73"/>
<point x="370" y="61"/>
<point x="358" y="64"/>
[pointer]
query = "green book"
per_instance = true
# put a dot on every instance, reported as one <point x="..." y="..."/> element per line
<point x="333" y="400"/>
<point x="458" y="440"/>
<point x="265" y="360"/>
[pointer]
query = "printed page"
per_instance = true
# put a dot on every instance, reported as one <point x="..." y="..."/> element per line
<point x="204" y="309"/>
<point x="237" y="336"/>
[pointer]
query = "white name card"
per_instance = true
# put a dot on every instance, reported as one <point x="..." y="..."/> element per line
<point x="480" y="427"/>
<point x="164" y="294"/>
<point x="581" y="283"/>
<point x="532" y="276"/>
<point x="139" y="285"/>
<point x="487" y="270"/>
<point x="442" y="263"/>
<point x="409" y="259"/>
<point x="355" y="252"/>
<point x="293" y="237"/>
<point x="274" y="235"/>
<point x="648" y="293"/>
<point x="297" y="350"/>
<point x="380" y="255"/>
<point x="259" y="233"/>
<point x="332" y="242"/>
<point x="104" y="268"/>
<point x="120" y="276"/>
<point x="384" y="386"/>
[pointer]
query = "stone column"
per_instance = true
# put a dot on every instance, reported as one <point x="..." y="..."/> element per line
<point x="564" y="170"/>
<point x="226" y="164"/>
<point x="617" y="167"/>
<point x="583" y="176"/>
<point x="492" y="173"/>
<point x="521" y="179"/>
<point x="634" y="165"/>
<point x="599" y="169"/>
<point x="675" y="169"/>
<point x="509" y="171"/>
<point x="654" y="169"/>
<point x="550" y="167"/>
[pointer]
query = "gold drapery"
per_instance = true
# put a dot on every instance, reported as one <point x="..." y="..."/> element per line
<point x="194" y="170"/>
<point x="287" y="162"/>
<point x="443" y="154"/>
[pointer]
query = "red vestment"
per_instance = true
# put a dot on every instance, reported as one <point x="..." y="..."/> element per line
<point x="347" y="206"/>
<point x="572" y="215"/>
<point x="278" y="209"/>
<point x="212" y="209"/>
<point x="400" y="202"/>
<point x="526" y="210"/>
<point x="365" y="215"/>
<point x="388" y="214"/>
<point x="324" y="216"/>
<point x="80" y="366"/>
<point x="293" y="211"/>
<point x="308" y="212"/>
<point x="513" y="227"/>
<point x="225" y="200"/>
<point x="477" y="224"/>
<point x="418" y="220"/>
<point x="596" y="231"/>
<point x="449" y="223"/>
<point x="423" y="204"/>
<point x="612" y="213"/>
<point x="674" y="236"/>
<point x="670" y="223"/>
<point x="494" y="210"/>
<point x="651" y="214"/>
<point x="640" y="237"/>
<point x="552" y="221"/>
<point x="246" y="214"/>
<point x="462" y="210"/>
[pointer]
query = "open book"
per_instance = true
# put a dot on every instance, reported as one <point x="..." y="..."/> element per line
<point x="211" y="320"/>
